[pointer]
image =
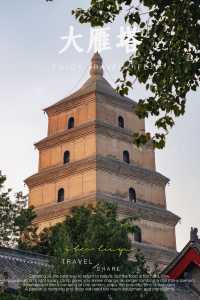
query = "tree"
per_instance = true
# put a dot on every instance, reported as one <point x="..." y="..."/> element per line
<point x="96" y="235"/>
<point x="26" y="231"/>
<point x="16" y="227"/>
<point x="167" y="57"/>
<point x="7" y="215"/>
<point x="15" y="217"/>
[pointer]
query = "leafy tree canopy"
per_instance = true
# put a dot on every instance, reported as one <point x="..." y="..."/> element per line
<point x="83" y="235"/>
<point x="7" y="215"/>
<point x="15" y="217"/>
<point x="167" y="59"/>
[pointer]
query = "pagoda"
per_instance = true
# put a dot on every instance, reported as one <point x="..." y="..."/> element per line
<point x="89" y="156"/>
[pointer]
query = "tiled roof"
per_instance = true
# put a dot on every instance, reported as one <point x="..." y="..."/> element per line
<point x="182" y="294"/>
<point x="190" y="245"/>
<point x="20" y="264"/>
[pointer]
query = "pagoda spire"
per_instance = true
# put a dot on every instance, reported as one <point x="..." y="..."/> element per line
<point x="96" y="65"/>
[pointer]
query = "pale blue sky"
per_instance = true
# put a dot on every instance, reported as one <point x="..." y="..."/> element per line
<point x="34" y="75"/>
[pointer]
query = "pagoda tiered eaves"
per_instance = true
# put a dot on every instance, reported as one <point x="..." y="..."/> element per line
<point x="108" y="164"/>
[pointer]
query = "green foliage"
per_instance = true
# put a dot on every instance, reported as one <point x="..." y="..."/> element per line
<point x="87" y="227"/>
<point x="7" y="215"/>
<point x="27" y="231"/>
<point x="84" y="234"/>
<point x="6" y="296"/>
<point x="15" y="217"/>
<point x="167" y="59"/>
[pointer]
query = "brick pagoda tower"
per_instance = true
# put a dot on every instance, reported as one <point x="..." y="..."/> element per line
<point x="89" y="155"/>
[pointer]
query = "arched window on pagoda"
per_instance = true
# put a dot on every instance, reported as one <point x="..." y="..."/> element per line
<point x="137" y="235"/>
<point x="121" y="122"/>
<point x="61" y="195"/>
<point x="132" y="195"/>
<point x="71" y="123"/>
<point x="66" y="157"/>
<point x="126" y="157"/>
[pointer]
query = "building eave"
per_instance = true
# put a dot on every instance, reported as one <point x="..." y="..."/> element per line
<point x="190" y="245"/>
<point x="96" y="126"/>
<point x="107" y="164"/>
<point x="149" y="212"/>
<point x="126" y="103"/>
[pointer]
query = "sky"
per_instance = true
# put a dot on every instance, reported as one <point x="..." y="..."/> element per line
<point x="37" y="69"/>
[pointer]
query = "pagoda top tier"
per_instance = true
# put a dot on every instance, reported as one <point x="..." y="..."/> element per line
<point x="95" y="84"/>
<point x="96" y="66"/>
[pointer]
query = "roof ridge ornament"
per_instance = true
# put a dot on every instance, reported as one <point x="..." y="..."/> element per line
<point x="96" y="65"/>
<point x="194" y="234"/>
